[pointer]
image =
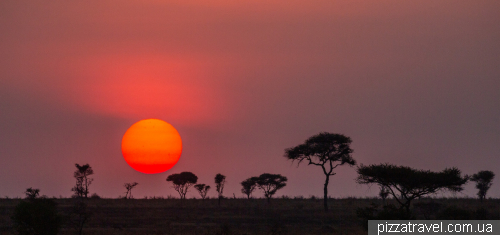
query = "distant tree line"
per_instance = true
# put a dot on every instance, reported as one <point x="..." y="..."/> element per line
<point x="38" y="215"/>
<point x="268" y="183"/>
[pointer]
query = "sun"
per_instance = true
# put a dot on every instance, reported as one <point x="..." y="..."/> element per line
<point x="151" y="146"/>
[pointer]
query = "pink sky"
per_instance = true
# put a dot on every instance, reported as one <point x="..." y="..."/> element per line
<point x="411" y="82"/>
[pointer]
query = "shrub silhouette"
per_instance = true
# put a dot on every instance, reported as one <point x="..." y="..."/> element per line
<point x="36" y="215"/>
<point x="326" y="150"/>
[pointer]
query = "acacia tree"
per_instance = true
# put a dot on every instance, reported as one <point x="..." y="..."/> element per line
<point x="406" y="184"/>
<point x="129" y="187"/>
<point x="483" y="182"/>
<point x="81" y="212"/>
<point x="83" y="181"/>
<point x="270" y="183"/>
<point x="182" y="182"/>
<point x="249" y="186"/>
<point x="326" y="150"/>
<point x="202" y="189"/>
<point x="220" y="180"/>
<point x="32" y="193"/>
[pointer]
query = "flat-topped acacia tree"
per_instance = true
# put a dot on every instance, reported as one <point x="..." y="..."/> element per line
<point x="326" y="150"/>
<point x="406" y="184"/>
<point x="182" y="182"/>
<point x="270" y="184"/>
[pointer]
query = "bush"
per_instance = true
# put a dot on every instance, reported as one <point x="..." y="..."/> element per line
<point x="36" y="216"/>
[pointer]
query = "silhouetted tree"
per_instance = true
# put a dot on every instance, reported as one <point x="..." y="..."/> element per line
<point x="202" y="189"/>
<point x="129" y="187"/>
<point x="83" y="181"/>
<point x="32" y="193"/>
<point x="410" y="183"/>
<point x="384" y="193"/>
<point x="220" y="180"/>
<point x="36" y="215"/>
<point x="326" y="150"/>
<point x="483" y="182"/>
<point x="249" y="186"/>
<point x="81" y="212"/>
<point x="182" y="182"/>
<point x="270" y="183"/>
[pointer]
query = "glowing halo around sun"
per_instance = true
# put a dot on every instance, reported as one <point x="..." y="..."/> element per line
<point x="151" y="146"/>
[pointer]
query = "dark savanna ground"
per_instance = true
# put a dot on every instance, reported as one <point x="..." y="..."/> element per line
<point x="242" y="216"/>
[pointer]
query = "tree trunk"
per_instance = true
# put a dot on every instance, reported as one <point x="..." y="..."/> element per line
<point x="86" y="188"/>
<point x="325" y="200"/>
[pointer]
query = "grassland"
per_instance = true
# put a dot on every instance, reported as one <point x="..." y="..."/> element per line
<point x="238" y="216"/>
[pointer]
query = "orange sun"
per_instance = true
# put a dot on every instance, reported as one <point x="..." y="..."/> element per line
<point x="151" y="146"/>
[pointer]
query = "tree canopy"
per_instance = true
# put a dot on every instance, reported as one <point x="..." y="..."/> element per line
<point x="182" y="182"/>
<point x="271" y="183"/>
<point x="326" y="150"/>
<point x="220" y="180"/>
<point x="249" y="186"/>
<point x="83" y="181"/>
<point x="202" y="189"/>
<point x="410" y="183"/>
<point x="32" y="193"/>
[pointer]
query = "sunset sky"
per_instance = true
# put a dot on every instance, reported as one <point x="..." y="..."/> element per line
<point x="413" y="83"/>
